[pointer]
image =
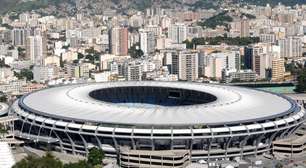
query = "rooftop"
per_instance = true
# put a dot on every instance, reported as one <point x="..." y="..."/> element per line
<point x="232" y="105"/>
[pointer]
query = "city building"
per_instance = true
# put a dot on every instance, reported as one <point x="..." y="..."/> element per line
<point x="19" y="36"/>
<point x="35" y="49"/>
<point x="278" y="69"/>
<point x="248" y="56"/>
<point x="244" y="28"/>
<point x="290" y="47"/>
<point x="238" y="76"/>
<point x="133" y="71"/>
<point x="119" y="41"/>
<point x="147" y="41"/>
<point x="215" y="63"/>
<point x="188" y="65"/>
<point x="44" y="73"/>
<point x="177" y="32"/>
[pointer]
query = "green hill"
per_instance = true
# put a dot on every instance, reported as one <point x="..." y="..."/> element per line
<point x="95" y="6"/>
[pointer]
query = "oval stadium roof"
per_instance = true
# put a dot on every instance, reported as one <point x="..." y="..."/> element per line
<point x="233" y="104"/>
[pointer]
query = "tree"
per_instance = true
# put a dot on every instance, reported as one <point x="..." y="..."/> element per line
<point x="3" y="98"/>
<point x="135" y="52"/>
<point x="279" y="165"/>
<point x="24" y="73"/>
<point x="189" y="44"/>
<point x="80" y="56"/>
<point x="95" y="156"/>
<point x="80" y="164"/>
<point x="62" y="62"/>
<point x="2" y="63"/>
<point x="91" y="50"/>
<point x="141" y="5"/>
<point x="3" y="130"/>
<point x="47" y="161"/>
<point x="301" y="82"/>
<point x="94" y="160"/>
<point x="239" y="41"/>
<point x="249" y="16"/>
<point x="220" y="19"/>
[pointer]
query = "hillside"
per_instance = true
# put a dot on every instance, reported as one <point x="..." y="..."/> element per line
<point x="7" y="4"/>
<point x="273" y="2"/>
<point x="97" y="6"/>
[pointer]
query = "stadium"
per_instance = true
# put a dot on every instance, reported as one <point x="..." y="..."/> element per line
<point x="134" y="121"/>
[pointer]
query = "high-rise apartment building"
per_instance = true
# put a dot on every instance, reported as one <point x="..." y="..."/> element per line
<point x="19" y="36"/>
<point x="35" y="49"/>
<point x="119" y="41"/>
<point x="215" y="63"/>
<point x="133" y="72"/>
<point x="244" y="28"/>
<point x="260" y="65"/>
<point x="177" y="32"/>
<point x="248" y="56"/>
<point x="290" y="47"/>
<point x="188" y="65"/>
<point x="147" y="41"/>
<point x="278" y="69"/>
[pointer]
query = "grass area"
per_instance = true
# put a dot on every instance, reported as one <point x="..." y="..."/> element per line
<point x="281" y="90"/>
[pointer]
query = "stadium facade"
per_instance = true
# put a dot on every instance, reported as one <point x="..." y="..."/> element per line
<point x="156" y="123"/>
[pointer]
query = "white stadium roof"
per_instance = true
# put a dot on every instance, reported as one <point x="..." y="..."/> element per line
<point x="233" y="104"/>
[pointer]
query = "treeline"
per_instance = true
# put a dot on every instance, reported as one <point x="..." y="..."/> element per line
<point x="301" y="81"/>
<point x="272" y="2"/>
<point x="94" y="160"/>
<point x="239" y="41"/>
<point x="204" y="5"/>
<point x="19" y="6"/>
<point x="220" y="19"/>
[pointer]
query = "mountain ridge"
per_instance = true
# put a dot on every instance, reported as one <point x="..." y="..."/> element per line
<point x="96" y="6"/>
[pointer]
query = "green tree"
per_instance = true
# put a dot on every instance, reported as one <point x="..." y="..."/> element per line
<point x="279" y="165"/>
<point x="47" y="161"/>
<point x="249" y="16"/>
<point x="135" y="52"/>
<point x="301" y="82"/>
<point x="3" y="98"/>
<point x="24" y="73"/>
<point x="141" y="5"/>
<point x="2" y="63"/>
<point x="80" y="164"/>
<point x="189" y="44"/>
<point x="220" y="19"/>
<point x="91" y="50"/>
<point x="3" y="130"/>
<point x="62" y="62"/>
<point x="95" y="156"/>
<point x="94" y="160"/>
<point x="239" y="41"/>
<point x="80" y="56"/>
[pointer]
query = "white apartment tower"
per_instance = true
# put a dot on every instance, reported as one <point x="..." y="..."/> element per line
<point x="177" y="32"/>
<point x="244" y="28"/>
<point x="147" y="41"/>
<point x="290" y="47"/>
<point x="35" y="49"/>
<point x="188" y="65"/>
<point x="19" y="36"/>
<point x="133" y="72"/>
